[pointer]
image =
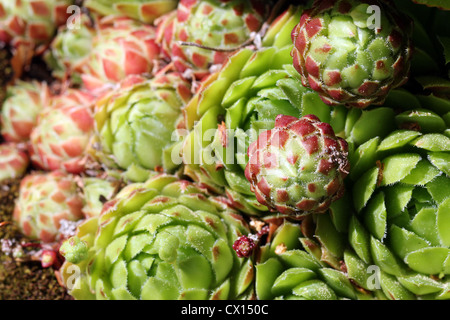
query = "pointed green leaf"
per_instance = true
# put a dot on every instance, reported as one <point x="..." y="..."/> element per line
<point x="402" y="242"/>
<point x="314" y="290"/>
<point x="364" y="188"/>
<point x="443" y="222"/>
<point x="437" y="104"/>
<point x="420" y="284"/>
<point x="441" y="160"/>
<point x="114" y="250"/>
<point x="438" y="188"/>
<point x="237" y="90"/>
<point x="428" y="260"/>
<point x="266" y="274"/>
<point x="245" y="277"/>
<point x="359" y="239"/>
<point x="398" y="197"/>
<point x="433" y="142"/>
<point x="398" y="139"/>
<point x="423" y="173"/>
<point x="290" y="278"/>
<point x="384" y="258"/>
<point x="424" y="224"/>
<point x="363" y="158"/>
<point x="258" y="62"/>
<point x="378" y="122"/>
<point x="358" y="271"/>
<point x="398" y="166"/>
<point x="299" y="259"/>
<point x="339" y="282"/>
<point x="375" y="216"/>
<point x="287" y="234"/>
<point x="393" y="289"/>
<point x="426" y="120"/>
<point x="330" y="239"/>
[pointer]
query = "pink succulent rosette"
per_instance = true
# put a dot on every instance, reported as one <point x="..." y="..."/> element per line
<point x="346" y="59"/>
<point x="13" y="161"/>
<point x="34" y="20"/>
<point x="121" y="48"/>
<point x="29" y="25"/>
<point x="45" y="199"/>
<point x="24" y="101"/>
<point x="63" y="132"/>
<point x="193" y="48"/>
<point x="298" y="167"/>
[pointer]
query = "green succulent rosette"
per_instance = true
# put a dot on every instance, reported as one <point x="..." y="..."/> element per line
<point x="162" y="239"/>
<point x="402" y="206"/>
<point x="261" y="84"/>
<point x="136" y="124"/>
<point x="70" y="48"/>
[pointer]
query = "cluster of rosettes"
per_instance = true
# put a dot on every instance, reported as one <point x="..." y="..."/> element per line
<point x="276" y="222"/>
<point x="298" y="167"/>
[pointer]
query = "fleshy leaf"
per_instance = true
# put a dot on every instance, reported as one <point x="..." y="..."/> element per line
<point x="364" y="188"/>
<point x="443" y="222"/>
<point x="397" y="167"/>
<point x="290" y="278"/>
<point x="429" y="260"/>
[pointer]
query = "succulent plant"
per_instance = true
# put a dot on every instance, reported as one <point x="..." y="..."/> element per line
<point x="135" y="124"/>
<point x="298" y="167"/>
<point x="45" y="200"/>
<point x="13" y="162"/>
<point x="162" y="239"/>
<point x="146" y="11"/>
<point x="204" y="33"/>
<point x="261" y="84"/>
<point x="70" y="48"/>
<point x="401" y="220"/>
<point x="23" y="102"/>
<point x="352" y="52"/>
<point x="122" y="47"/>
<point x="34" y="21"/>
<point x="64" y="128"/>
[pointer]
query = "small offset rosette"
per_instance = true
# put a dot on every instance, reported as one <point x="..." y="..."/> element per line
<point x="13" y="162"/>
<point x="353" y="52"/>
<point x="298" y="167"/>
<point x="45" y="200"/>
